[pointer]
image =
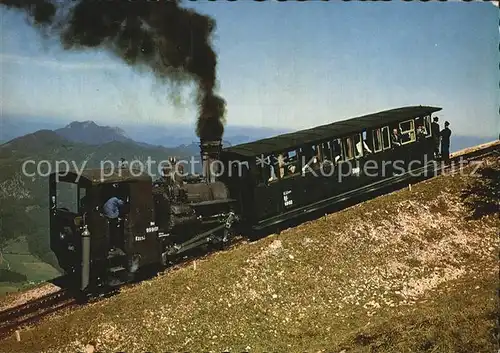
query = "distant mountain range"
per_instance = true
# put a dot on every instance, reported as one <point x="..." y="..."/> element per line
<point x="90" y="132"/>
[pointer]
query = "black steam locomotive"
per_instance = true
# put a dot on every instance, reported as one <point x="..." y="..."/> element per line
<point x="258" y="185"/>
<point x="157" y="221"/>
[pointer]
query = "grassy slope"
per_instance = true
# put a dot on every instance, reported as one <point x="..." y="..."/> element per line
<point x="23" y="263"/>
<point x="405" y="272"/>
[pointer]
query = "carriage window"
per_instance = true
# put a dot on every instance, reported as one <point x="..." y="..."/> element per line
<point x="265" y="169"/>
<point x="278" y="163"/>
<point x="67" y="196"/>
<point x="348" y="148"/>
<point x="377" y="140"/>
<point x="318" y="155"/>
<point x="407" y="129"/>
<point x="336" y="150"/>
<point x="311" y="158"/>
<point x="291" y="163"/>
<point x="359" y="146"/>
<point x="428" y="125"/>
<point x="325" y="151"/>
<point x="386" y="138"/>
<point x="421" y="127"/>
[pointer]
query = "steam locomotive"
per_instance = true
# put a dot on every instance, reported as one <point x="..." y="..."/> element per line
<point x="159" y="220"/>
<point x="260" y="184"/>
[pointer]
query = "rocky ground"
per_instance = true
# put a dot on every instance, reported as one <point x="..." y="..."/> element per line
<point x="409" y="271"/>
<point x="14" y="299"/>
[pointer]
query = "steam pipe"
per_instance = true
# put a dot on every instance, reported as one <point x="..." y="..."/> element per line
<point x="85" y="258"/>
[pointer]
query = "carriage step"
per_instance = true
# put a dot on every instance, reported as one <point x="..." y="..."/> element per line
<point x="117" y="269"/>
<point x="116" y="253"/>
<point x="115" y="282"/>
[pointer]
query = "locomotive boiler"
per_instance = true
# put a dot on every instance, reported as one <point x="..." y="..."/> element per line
<point x="158" y="220"/>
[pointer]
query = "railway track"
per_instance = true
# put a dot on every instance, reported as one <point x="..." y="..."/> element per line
<point x="33" y="311"/>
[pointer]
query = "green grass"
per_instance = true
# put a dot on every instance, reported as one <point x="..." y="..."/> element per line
<point x="406" y="272"/>
<point x="462" y="318"/>
<point x="24" y="264"/>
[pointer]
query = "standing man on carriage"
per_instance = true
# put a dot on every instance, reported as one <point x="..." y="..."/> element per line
<point x="436" y="135"/>
<point x="445" y="142"/>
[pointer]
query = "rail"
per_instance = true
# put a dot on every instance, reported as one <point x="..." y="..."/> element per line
<point x="33" y="311"/>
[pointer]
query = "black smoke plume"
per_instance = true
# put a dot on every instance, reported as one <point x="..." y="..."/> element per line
<point x="174" y="42"/>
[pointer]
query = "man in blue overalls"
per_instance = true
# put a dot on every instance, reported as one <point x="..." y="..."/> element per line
<point x="111" y="210"/>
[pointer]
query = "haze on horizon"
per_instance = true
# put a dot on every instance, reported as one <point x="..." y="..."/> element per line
<point x="281" y="65"/>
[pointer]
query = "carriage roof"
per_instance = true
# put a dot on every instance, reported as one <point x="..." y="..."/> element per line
<point x="323" y="132"/>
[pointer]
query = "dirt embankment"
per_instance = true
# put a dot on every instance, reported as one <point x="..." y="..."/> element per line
<point x="409" y="271"/>
<point x="15" y="299"/>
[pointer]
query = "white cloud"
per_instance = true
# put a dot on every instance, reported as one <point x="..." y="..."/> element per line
<point x="55" y="64"/>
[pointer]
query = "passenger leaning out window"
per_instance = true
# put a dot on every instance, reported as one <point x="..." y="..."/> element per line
<point x="395" y="138"/>
<point x="421" y="132"/>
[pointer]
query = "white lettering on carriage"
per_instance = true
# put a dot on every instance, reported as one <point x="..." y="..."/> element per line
<point x="287" y="198"/>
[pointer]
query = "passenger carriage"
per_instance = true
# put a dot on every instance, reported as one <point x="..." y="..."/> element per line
<point x="279" y="178"/>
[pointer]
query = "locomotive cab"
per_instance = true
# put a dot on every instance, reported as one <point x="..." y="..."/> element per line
<point x="93" y="248"/>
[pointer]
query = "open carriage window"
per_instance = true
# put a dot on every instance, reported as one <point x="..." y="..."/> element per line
<point x="407" y="129"/>
<point x="348" y="146"/>
<point x="336" y="148"/>
<point x="377" y="140"/>
<point x="421" y="129"/>
<point x="275" y="165"/>
<point x="428" y="125"/>
<point x="310" y="158"/>
<point x="265" y="169"/>
<point x="291" y="163"/>
<point x="362" y="145"/>
<point x="386" y="138"/>
<point x="325" y="151"/>
<point x="359" y="146"/>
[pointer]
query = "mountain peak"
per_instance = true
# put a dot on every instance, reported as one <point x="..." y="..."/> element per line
<point x="81" y="124"/>
<point x="91" y="133"/>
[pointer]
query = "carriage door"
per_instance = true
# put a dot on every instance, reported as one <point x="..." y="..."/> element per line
<point x="141" y="230"/>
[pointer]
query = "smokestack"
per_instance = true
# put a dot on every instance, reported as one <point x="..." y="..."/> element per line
<point x="210" y="152"/>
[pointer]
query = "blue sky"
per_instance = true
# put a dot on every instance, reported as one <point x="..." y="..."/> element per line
<point x="287" y="65"/>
